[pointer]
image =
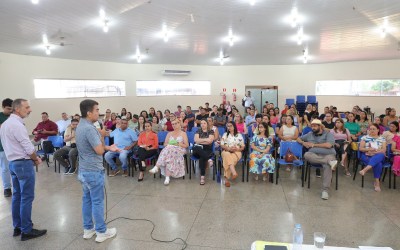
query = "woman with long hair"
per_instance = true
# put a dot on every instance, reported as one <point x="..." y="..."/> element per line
<point x="203" y="138"/>
<point x="391" y="117"/>
<point x="148" y="147"/>
<point x="171" y="161"/>
<point x="140" y="127"/>
<point x="123" y="112"/>
<point x="342" y="140"/>
<point x="363" y="122"/>
<point x="273" y="119"/>
<point x="353" y="127"/>
<point x="155" y="125"/>
<point x="261" y="161"/>
<point x="240" y="124"/>
<point x="152" y="113"/>
<point x="232" y="145"/>
<point x="184" y="122"/>
<point x="392" y="132"/>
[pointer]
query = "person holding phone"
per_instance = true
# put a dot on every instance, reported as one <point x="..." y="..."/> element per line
<point x="342" y="138"/>
<point x="148" y="147"/>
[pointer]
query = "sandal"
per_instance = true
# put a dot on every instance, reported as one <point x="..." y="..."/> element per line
<point x="347" y="173"/>
<point x="227" y="183"/>
<point x="235" y="176"/>
<point x="202" y="181"/>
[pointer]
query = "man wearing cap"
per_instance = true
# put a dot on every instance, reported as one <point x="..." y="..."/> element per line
<point x="320" y="144"/>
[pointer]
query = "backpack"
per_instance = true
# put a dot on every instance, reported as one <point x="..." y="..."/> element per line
<point x="48" y="147"/>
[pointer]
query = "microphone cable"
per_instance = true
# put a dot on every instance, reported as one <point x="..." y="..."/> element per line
<point x="184" y="244"/>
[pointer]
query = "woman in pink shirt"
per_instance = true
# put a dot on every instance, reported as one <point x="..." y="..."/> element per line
<point x="240" y="125"/>
<point x="273" y="119"/>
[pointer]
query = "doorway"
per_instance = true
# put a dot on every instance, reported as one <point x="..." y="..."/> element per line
<point x="262" y="94"/>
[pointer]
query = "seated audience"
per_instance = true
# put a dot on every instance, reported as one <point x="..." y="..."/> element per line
<point x="373" y="149"/>
<point x="69" y="149"/>
<point x="393" y="130"/>
<point x="261" y="161"/>
<point x="202" y="149"/>
<point x="320" y="145"/>
<point x="63" y="123"/>
<point x="171" y="160"/>
<point x="44" y="129"/>
<point x="125" y="139"/>
<point x="391" y="117"/>
<point x="342" y="140"/>
<point x="240" y="125"/>
<point x="220" y="119"/>
<point x="155" y="126"/>
<point x="288" y="132"/>
<point x="232" y="145"/>
<point x="148" y="147"/>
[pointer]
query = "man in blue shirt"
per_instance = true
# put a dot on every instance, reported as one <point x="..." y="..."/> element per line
<point x="125" y="139"/>
<point x="250" y="118"/>
<point x="90" y="145"/>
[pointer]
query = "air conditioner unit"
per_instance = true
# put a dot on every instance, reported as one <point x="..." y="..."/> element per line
<point x="170" y="72"/>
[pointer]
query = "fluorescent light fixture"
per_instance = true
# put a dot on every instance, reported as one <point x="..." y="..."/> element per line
<point x="305" y="55"/>
<point x="35" y="1"/>
<point x="165" y="33"/>
<point x="102" y="14"/>
<point x="294" y="17"/>
<point x="45" y="40"/>
<point x="384" y="28"/>
<point x="138" y="56"/>
<point x="221" y="58"/>
<point x="192" y="18"/>
<point x="300" y="35"/>
<point x="105" y="26"/>
<point x="231" y="39"/>
<point x="48" y="51"/>
<point x="252" y="2"/>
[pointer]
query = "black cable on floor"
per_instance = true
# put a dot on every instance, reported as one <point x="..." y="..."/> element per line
<point x="152" y="223"/>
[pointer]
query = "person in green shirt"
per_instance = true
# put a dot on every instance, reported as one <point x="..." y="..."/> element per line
<point x="5" y="172"/>
<point x="353" y="127"/>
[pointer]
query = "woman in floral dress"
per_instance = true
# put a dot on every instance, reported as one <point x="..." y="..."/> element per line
<point x="171" y="161"/>
<point x="261" y="161"/>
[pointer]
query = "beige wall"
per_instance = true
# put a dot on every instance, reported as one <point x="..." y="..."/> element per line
<point x="18" y="71"/>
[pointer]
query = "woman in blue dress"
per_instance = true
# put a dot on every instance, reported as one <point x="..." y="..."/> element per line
<point x="261" y="161"/>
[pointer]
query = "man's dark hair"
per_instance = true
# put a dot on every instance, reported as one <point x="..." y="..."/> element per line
<point x="17" y="103"/>
<point x="45" y="113"/>
<point x="7" y="102"/>
<point x="74" y="120"/>
<point x="87" y="106"/>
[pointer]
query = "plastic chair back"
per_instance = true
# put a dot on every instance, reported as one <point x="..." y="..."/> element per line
<point x="161" y="136"/>
<point x="295" y="147"/>
<point x="221" y="131"/>
<point x="56" y="140"/>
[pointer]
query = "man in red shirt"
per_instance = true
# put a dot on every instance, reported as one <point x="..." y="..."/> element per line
<point x="44" y="129"/>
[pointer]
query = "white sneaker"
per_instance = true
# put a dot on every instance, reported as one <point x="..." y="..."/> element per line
<point x="256" y="177"/>
<point x="166" y="182"/>
<point x="153" y="170"/>
<point x="325" y="195"/>
<point x="88" y="233"/>
<point x="333" y="164"/>
<point x="265" y="178"/>
<point x="109" y="233"/>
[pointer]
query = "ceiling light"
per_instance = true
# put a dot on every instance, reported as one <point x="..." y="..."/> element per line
<point x="384" y="28"/>
<point x="252" y="2"/>
<point x="294" y="17"/>
<point x="192" y="18"/>
<point x="231" y="38"/>
<point x="45" y="40"/>
<point x="221" y="58"/>
<point x="104" y="21"/>
<point x="165" y="33"/>
<point x="35" y="1"/>
<point x="305" y="55"/>
<point x="138" y="56"/>
<point x="48" y="51"/>
<point x="105" y="26"/>
<point x="300" y="36"/>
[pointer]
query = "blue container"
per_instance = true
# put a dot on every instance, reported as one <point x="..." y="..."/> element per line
<point x="311" y="99"/>
<point x="289" y="101"/>
<point x="301" y="99"/>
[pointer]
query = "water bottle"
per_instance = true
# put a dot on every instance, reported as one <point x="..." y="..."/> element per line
<point x="297" y="237"/>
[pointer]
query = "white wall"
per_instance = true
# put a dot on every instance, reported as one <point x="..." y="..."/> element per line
<point x="18" y="71"/>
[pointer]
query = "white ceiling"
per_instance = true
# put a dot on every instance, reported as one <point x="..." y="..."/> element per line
<point x="338" y="30"/>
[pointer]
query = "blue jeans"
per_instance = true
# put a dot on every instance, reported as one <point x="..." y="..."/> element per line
<point x="123" y="158"/>
<point x="376" y="162"/>
<point x="23" y="180"/>
<point x="93" y="199"/>
<point x="5" y="171"/>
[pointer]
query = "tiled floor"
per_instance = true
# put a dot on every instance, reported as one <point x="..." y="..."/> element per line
<point x="211" y="216"/>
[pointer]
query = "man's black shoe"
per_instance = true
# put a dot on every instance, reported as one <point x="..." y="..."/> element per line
<point x="34" y="233"/>
<point x="67" y="170"/>
<point x="7" y="192"/>
<point x="17" y="232"/>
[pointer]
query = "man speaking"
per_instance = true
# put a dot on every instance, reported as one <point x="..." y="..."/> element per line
<point x="90" y="145"/>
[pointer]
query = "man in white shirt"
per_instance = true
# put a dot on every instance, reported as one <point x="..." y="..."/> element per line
<point x="63" y="123"/>
<point x="248" y="99"/>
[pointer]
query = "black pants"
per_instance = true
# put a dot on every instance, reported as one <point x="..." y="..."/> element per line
<point x="143" y="155"/>
<point x="203" y="154"/>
